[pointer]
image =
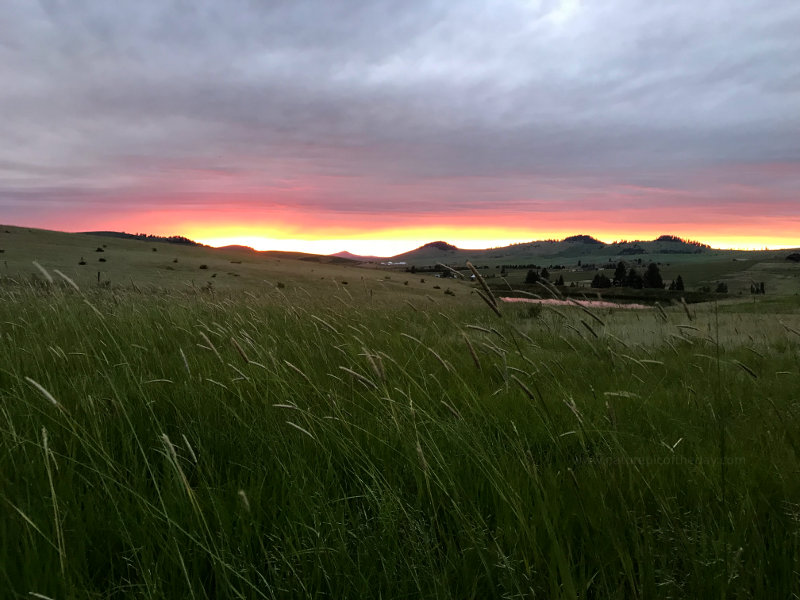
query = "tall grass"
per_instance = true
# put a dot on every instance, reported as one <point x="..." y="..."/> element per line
<point x="271" y="446"/>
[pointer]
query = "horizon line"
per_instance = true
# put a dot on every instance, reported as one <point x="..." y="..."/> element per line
<point x="273" y="244"/>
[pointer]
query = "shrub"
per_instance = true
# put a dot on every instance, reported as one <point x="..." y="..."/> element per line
<point x="601" y="281"/>
<point x="677" y="284"/>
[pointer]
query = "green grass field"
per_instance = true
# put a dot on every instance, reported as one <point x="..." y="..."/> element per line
<point x="167" y="439"/>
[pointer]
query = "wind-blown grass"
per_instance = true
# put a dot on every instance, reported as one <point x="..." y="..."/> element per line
<point x="269" y="446"/>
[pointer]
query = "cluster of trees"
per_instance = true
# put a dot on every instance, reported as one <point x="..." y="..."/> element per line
<point x="535" y="275"/>
<point x="444" y="272"/>
<point x="675" y="238"/>
<point x="172" y="239"/>
<point x="677" y="284"/>
<point x="601" y="281"/>
<point x="651" y="278"/>
<point x="631" y="278"/>
<point x="665" y="238"/>
<point x="722" y="288"/>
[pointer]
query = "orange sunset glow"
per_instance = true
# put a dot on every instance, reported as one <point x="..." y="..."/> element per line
<point x="391" y="241"/>
<point x="399" y="241"/>
<point x="529" y="125"/>
<point x="372" y="234"/>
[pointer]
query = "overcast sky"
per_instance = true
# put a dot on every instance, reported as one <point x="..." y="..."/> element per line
<point x="337" y="112"/>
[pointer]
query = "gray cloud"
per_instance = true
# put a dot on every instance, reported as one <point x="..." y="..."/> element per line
<point x="102" y="97"/>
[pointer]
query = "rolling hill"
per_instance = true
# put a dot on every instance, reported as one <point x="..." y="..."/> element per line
<point x="358" y="258"/>
<point x="103" y="261"/>
<point x="113" y="259"/>
<point x="572" y="249"/>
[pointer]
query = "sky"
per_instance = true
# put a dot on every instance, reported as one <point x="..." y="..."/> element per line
<point x="377" y="126"/>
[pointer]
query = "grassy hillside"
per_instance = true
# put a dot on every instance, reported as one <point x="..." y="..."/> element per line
<point x="126" y="263"/>
<point x="377" y="439"/>
<point x="583" y="249"/>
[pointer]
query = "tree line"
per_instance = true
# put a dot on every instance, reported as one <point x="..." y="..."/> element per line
<point x="631" y="278"/>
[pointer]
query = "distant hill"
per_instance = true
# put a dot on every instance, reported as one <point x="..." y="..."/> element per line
<point x="443" y="246"/>
<point x="434" y="252"/>
<point x="350" y="256"/>
<point x="289" y="255"/>
<point x="572" y="248"/>
<point x="583" y="239"/>
<point x="173" y="239"/>
<point x="236" y="248"/>
<point x="317" y="258"/>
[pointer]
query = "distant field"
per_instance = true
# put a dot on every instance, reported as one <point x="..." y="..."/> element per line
<point x="125" y="262"/>
<point x="112" y="263"/>
<point x="780" y="276"/>
<point x="163" y="438"/>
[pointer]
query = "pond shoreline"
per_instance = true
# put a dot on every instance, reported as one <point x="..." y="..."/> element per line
<point x="583" y="303"/>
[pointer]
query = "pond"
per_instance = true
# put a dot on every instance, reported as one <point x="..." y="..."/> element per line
<point x="584" y="303"/>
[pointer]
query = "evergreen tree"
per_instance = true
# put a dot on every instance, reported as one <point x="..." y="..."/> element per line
<point x="652" y="277"/>
<point x="677" y="284"/>
<point x="619" y="274"/>
<point x="633" y="280"/>
<point x="532" y="276"/>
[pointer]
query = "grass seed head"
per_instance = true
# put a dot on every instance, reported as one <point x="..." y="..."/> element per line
<point x="43" y="271"/>
<point x="43" y="391"/>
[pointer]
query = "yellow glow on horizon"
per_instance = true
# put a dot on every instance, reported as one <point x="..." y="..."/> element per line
<point x="384" y="243"/>
<point x="388" y="242"/>
<point x="387" y="248"/>
<point x="363" y="247"/>
<point x="752" y="244"/>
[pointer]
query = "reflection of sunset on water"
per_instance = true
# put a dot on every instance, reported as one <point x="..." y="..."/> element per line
<point x="582" y="303"/>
